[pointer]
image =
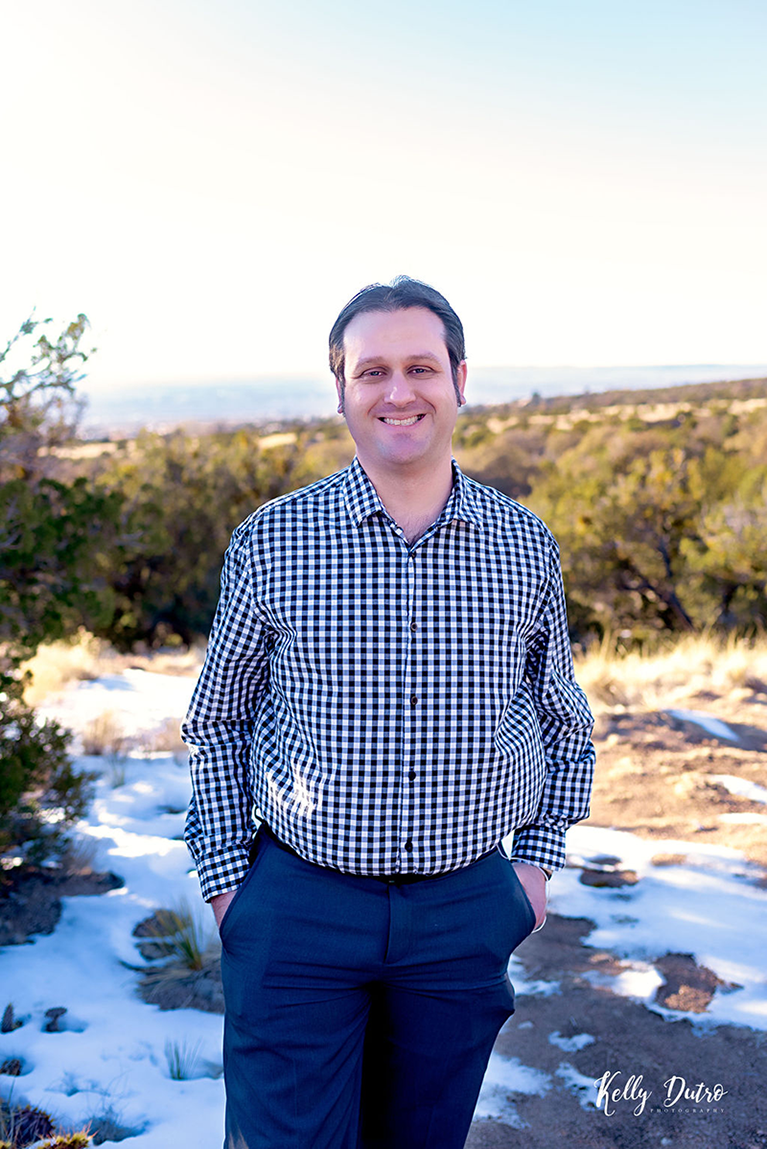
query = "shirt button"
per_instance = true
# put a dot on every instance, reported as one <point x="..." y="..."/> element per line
<point x="413" y="700"/>
<point x="414" y="626"/>
<point x="409" y="846"/>
<point x="411" y="775"/>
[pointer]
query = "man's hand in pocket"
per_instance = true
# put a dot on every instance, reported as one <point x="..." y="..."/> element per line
<point x="220" y="904"/>
<point x="534" y="884"/>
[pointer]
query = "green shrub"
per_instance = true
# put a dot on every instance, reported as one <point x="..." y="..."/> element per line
<point x="41" y="794"/>
<point x="57" y="539"/>
<point x="184" y="495"/>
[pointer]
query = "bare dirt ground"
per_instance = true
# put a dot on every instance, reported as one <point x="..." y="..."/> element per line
<point x="655" y="777"/>
<point x="30" y="899"/>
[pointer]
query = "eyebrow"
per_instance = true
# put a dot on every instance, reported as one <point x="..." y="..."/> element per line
<point x="419" y="357"/>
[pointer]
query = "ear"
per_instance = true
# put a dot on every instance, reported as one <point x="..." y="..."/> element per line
<point x="460" y="382"/>
<point x="340" y="393"/>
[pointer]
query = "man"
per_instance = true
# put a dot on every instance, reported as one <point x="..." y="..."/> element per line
<point x="389" y="686"/>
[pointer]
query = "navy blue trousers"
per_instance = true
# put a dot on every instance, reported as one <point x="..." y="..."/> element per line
<point x="361" y="1014"/>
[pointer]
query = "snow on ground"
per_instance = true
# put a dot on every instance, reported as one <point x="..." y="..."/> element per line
<point x="707" y="722"/>
<point x="139" y="700"/>
<point x="113" y="1052"/>
<point x="504" y="1077"/>
<point x="741" y="787"/>
<point x="709" y="906"/>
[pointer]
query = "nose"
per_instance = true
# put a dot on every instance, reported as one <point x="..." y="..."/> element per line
<point x="400" y="391"/>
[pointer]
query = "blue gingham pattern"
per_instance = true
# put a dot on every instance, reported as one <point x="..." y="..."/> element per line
<point x="387" y="708"/>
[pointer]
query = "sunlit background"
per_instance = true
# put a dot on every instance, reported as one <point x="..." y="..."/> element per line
<point x="210" y="182"/>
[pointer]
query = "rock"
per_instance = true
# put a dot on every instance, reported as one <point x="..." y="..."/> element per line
<point x="603" y="861"/>
<point x="155" y="926"/>
<point x="54" y="1015"/>
<point x="668" y="859"/>
<point x="612" y="879"/>
<point x="688" y="986"/>
<point x="30" y="901"/>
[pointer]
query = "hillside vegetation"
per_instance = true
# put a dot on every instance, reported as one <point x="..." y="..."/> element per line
<point x="658" y="500"/>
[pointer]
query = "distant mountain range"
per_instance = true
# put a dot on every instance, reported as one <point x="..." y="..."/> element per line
<point x="124" y="409"/>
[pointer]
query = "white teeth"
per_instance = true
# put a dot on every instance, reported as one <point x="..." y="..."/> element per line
<point x="402" y="422"/>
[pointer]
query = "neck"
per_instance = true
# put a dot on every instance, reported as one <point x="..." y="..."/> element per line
<point x="413" y="499"/>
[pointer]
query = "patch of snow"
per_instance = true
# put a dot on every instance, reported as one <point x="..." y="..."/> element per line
<point x="709" y="906"/>
<point x="524" y="985"/>
<point x="139" y="700"/>
<point x="639" y="981"/>
<point x="585" y="1088"/>
<point x="571" y="1044"/>
<point x="709" y="722"/>
<point x="504" y="1077"/>
<point x="741" y="787"/>
<point x="112" y="1050"/>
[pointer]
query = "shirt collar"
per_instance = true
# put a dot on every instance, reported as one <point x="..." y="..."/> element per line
<point x="360" y="495"/>
<point x="362" y="499"/>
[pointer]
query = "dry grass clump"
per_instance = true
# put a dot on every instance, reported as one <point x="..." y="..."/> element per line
<point x="183" y="1060"/>
<point x="691" y="665"/>
<point x="85" y="657"/>
<point x="56" y="665"/>
<point x="185" y="961"/>
<point x="166" y="737"/>
<point x="179" y="934"/>
<point x="104" y="736"/>
<point x="79" y="855"/>
<point x="108" y="1126"/>
<point x="168" y="661"/>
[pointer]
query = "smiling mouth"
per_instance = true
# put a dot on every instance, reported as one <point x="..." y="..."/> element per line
<point x="402" y="422"/>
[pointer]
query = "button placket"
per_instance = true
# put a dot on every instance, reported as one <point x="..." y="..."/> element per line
<point x="412" y="706"/>
<point x="401" y="592"/>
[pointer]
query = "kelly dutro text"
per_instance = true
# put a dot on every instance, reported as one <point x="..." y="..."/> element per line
<point x="615" y="1089"/>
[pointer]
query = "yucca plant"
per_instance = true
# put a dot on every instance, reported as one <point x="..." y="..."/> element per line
<point x="68" y="1141"/>
<point x="23" y="1125"/>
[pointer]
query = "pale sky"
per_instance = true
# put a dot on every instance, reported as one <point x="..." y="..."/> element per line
<point x="211" y="181"/>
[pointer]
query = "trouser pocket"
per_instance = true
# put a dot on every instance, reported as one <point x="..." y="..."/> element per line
<point x="256" y="851"/>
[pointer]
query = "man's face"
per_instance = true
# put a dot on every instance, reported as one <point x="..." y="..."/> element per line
<point x="399" y="399"/>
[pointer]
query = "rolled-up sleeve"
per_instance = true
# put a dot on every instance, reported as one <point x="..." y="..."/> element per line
<point x="218" y="730"/>
<point x="566" y="724"/>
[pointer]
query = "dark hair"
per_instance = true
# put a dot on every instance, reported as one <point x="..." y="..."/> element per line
<point x="402" y="293"/>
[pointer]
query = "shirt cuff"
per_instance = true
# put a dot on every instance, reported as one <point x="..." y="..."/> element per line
<point x="542" y="846"/>
<point x="222" y="873"/>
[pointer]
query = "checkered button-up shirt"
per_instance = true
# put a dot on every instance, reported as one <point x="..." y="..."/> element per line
<point x="387" y="708"/>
